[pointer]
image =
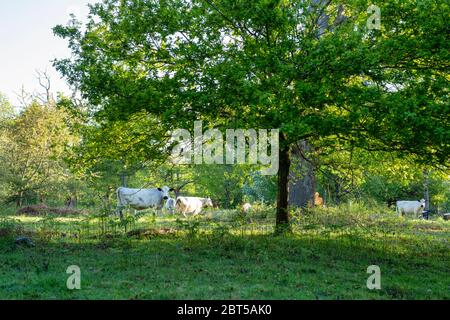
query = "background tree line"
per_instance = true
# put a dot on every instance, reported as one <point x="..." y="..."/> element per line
<point x="52" y="155"/>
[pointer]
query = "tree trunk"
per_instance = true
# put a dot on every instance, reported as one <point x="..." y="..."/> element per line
<point x="337" y="190"/>
<point x="123" y="179"/>
<point x="303" y="180"/>
<point x="19" y="200"/>
<point x="71" y="201"/>
<point x="426" y="184"/>
<point x="282" y="218"/>
<point x="227" y="203"/>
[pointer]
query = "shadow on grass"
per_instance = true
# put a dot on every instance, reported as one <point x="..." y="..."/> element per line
<point x="221" y="265"/>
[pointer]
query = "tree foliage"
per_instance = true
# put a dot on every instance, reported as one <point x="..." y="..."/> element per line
<point x="32" y="151"/>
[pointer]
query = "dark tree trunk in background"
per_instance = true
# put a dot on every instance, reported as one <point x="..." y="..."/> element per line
<point x="19" y="200"/>
<point x="302" y="177"/>
<point x="123" y="179"/>
<point x="338" y="191"/>
<point x="71" y="201"/>
<point x="227" y="202"/>
<point x="426" y="183"/>
<point x="282" y="219"/>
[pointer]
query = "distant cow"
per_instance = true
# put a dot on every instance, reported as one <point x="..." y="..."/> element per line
<point x="170" y="205"/>
<point x="246" y="207"/>
<point x="318" y="200"/>
<point x="192" y="205"/>
<point x="410" y="207"/>
<point x="140" y="199"/>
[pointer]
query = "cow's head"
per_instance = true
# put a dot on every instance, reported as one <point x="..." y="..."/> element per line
<point x="208" y="202"/>
<point x="165" y="192"/>
<point x="422" y="203"/>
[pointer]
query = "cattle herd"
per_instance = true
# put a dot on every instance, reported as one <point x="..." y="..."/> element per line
<point x="140" y="199"/>
<point x="159" y="198"/>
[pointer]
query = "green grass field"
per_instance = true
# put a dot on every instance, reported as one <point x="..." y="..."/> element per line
<point x="225" y="256"/>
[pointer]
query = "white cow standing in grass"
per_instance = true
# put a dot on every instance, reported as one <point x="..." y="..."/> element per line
<point x="410" y="207"/>
<point x="170" y="205"/>
<point x="140" y="199"/>
<point x="192" y="205"/>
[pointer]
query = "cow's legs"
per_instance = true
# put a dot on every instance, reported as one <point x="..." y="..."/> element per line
<point x="419" y="215"/>
<point x="119" y="212"/>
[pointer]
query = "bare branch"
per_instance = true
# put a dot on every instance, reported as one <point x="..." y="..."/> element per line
<point x="45" y="83"/>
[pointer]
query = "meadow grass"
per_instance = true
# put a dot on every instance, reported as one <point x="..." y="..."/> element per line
<point x="226" y="256"/>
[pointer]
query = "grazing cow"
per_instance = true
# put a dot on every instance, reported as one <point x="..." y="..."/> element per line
<point x="246" y="207"/>
<point x="170" y="205"/>
<point x="410" y="207"/>
<point x="192" y="205"/>
<point x="140" y="199"/>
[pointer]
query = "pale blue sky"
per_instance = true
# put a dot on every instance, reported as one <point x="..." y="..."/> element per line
<point x="27" y="43"/>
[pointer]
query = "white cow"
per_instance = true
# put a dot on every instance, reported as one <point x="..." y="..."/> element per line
<point x="192" y="205"/>
<point x="410" y="207"/>
<point x="140" y="199"/>
<point x="246" y="207"/>
<point x="170" y="205"/>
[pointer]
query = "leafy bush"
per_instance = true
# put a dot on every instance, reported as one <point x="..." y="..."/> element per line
<point x="10" y="227"/>
<point x="191" y="227"/>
